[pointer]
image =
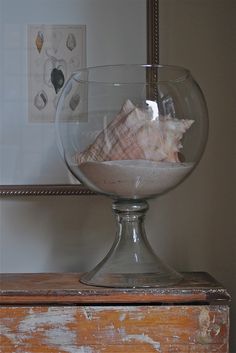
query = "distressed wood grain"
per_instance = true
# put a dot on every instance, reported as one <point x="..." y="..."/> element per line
<point x="55" y="313"/>
<point x="114" y="329"/>
<point x="59" y="288"/>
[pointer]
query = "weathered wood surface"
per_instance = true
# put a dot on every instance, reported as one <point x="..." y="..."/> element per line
<point x="65" y="288"/>
<point x="55" y="313"/>
<point x="114" y="329"/>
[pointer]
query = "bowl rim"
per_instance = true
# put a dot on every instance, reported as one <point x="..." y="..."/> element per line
<point x="152" y="79"/>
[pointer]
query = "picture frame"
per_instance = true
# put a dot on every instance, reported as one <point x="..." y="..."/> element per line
<point x="25" y="142"/>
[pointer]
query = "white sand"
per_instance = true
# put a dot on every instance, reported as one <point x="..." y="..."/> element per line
<point x="134" y="178"/>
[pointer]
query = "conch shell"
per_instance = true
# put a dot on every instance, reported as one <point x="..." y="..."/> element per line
<point x="136" y="134"/>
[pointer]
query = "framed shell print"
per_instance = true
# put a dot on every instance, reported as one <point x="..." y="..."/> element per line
<point x="42" y="43"/>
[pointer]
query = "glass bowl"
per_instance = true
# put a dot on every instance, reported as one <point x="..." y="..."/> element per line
<point x="131" y="132"/>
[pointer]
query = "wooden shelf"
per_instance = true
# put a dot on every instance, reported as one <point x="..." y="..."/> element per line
<point x="55" y="313"/>
<point x="61" y="288"/>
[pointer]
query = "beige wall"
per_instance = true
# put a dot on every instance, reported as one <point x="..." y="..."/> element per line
<point x="193" y="227"/>
<point x="201" y="35"/>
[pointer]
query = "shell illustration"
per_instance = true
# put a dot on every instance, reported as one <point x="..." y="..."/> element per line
<point x="40" y="100"/>
<point x="135" y="134"/>
<point x="39" y="41"/>
<point x="50" y="64"/>
<point x="57" y="78"/>
<point x="71" y="41"/>
<point x="74" y="101"/>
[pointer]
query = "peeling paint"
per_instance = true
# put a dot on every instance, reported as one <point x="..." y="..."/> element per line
<point x="204" y="320"/>
<point x="204" y="334"/>
<point x="96" y="329"/>
<point x="60" y="336"/>
<point x="176" y="337"/>
<point x="215" y="328"/>
<point x="122" y="317"/>
<point x="5" y="331"/>
<point x="137" y="315"/>
<point x="144" y="339"/>
<point x="87" y="313"/>
<point x="121" y="331"/>
<point x="74" y="349"/>
<point x="53" y="316"/>
<point x="109" y="331"/>
<point x="57" y="334"/>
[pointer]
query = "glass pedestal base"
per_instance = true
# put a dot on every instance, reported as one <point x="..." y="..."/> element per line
<point x="131" y="262"/>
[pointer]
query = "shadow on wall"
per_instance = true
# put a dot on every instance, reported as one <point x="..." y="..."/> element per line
<point x="55" y="233"/>
<point x="83" y="235"/>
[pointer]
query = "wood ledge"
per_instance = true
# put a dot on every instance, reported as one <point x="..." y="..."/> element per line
<point x="65" y="288"/>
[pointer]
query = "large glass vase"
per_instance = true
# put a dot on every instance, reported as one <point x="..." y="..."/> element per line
<point x="131" y="132"/>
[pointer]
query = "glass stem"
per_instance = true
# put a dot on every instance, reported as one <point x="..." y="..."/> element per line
<point x="131" y="262"/>
<point x="131" y="244"/>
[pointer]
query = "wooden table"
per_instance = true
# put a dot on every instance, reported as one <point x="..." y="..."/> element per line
<point x="55" y="313"/>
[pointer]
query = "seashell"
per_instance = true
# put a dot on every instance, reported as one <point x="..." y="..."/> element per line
<point x="71" y="41"/>
<point x="50" y="64"/>
<point x="39" y="41"/>
<point x="40" y="100"/>
<point x="74" y="101"/>
<point x="57" y="78"/>
<point x="136" y="134"/>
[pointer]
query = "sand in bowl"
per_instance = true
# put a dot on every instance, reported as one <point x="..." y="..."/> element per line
<point x="134" y="178"/>
<point x="136" y="155"/>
